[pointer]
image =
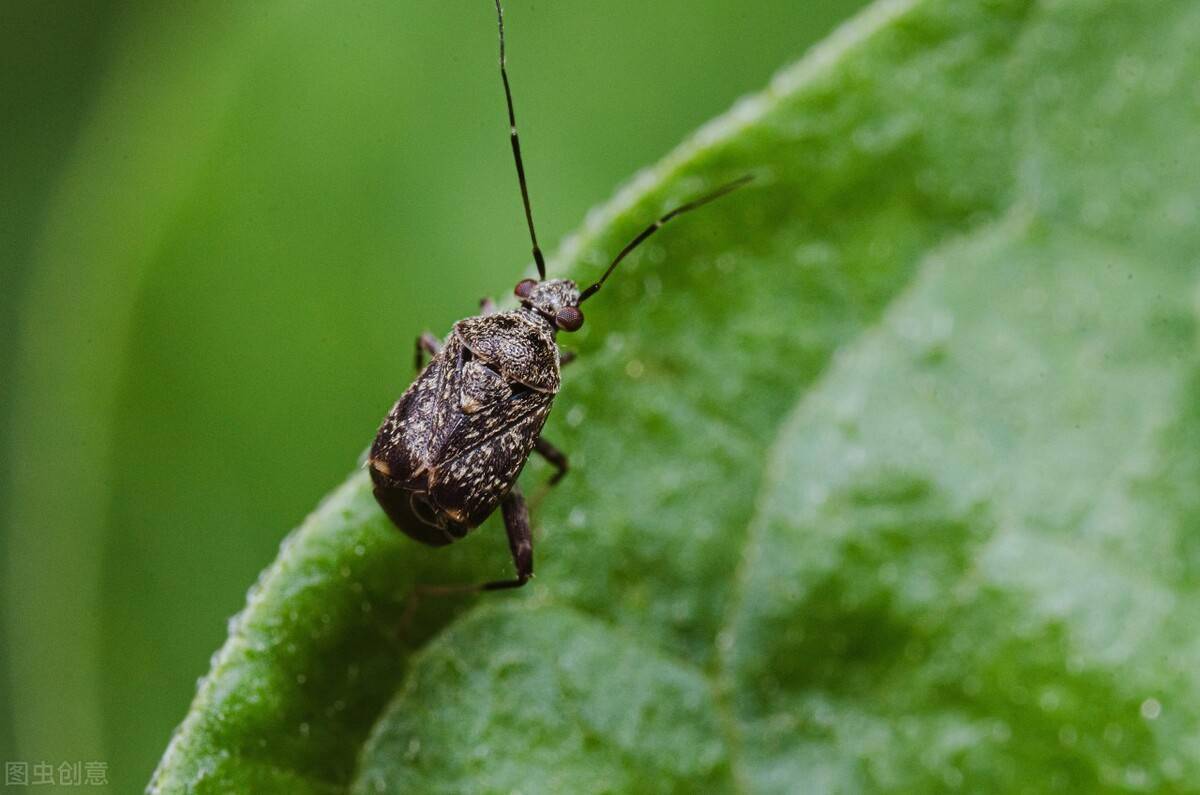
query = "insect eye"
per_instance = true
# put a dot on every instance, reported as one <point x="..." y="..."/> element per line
<point x="569" y="318"/>
<point x="524" y="288"/>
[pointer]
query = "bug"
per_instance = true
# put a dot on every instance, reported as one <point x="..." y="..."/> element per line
<point x="451" y="449"/>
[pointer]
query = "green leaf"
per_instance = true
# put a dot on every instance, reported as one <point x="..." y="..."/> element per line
<point x="885" y="469"/>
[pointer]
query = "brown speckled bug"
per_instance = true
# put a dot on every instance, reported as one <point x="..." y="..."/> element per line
<point x="452" y="447"/>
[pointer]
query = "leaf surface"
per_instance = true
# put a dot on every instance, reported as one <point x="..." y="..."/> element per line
<point x="884" y="470"/>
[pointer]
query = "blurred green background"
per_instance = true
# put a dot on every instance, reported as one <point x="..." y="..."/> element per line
<point x="221" y="226"/>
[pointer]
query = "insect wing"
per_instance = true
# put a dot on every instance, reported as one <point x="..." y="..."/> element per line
<point x="417" y="423"/>
<point x="485" y="453"/>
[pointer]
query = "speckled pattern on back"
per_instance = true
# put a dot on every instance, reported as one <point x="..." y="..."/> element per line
<point x="519" y="344"/>
<point x="460" y="435"/>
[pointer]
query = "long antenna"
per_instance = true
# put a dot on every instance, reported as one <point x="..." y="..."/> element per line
<point x="516" y="147"/>
<point x="654" y="227"/>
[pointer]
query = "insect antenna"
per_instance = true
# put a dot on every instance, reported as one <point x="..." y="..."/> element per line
<point x="516" y="149"/>
<point x="654" y="227"/>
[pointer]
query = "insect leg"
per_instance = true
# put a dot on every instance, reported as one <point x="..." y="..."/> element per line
<point x="487" y="306"/>
<point x="566" y="357"/>
<point x="557" y="458"/>
<point x="520" y="541"/>
<point x="426" y="344"/>
<point x="520" y="544"/>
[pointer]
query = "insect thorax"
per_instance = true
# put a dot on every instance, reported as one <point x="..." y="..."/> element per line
<point x="519" y="345"/>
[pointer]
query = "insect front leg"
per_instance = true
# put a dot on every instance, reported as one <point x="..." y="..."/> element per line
<point x="426" y="344"/>
<point x="487" y="306"/>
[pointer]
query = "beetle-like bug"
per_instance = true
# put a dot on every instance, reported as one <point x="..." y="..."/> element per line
<point x="450" y="450"/>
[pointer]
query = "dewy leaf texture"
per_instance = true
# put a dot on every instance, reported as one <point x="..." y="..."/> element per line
<point x="886" y="470"/>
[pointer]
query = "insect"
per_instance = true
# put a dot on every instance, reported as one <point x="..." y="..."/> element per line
<point x="449" y="452"/>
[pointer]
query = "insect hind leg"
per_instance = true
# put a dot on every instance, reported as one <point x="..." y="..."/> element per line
<point x="520" y="544"/>
<point x="520" y="541"/>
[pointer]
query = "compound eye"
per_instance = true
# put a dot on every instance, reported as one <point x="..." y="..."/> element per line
<point x="569" y="318"/>
<point x="524" y="288"/>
